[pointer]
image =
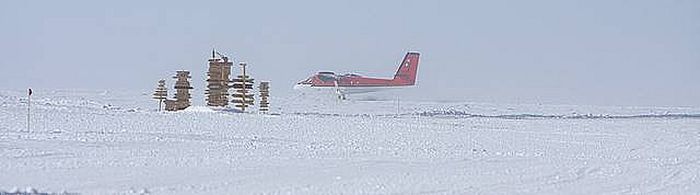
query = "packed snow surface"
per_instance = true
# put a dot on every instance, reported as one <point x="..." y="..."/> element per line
<point x="116" y="143"/>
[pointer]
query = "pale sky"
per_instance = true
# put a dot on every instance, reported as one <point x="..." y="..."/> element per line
<point x="597" y="52"/>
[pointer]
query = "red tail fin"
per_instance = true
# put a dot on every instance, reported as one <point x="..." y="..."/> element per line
<point x="408" y="69"/>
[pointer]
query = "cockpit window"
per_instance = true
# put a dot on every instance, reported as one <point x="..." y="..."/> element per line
<point x="326" y="77"/>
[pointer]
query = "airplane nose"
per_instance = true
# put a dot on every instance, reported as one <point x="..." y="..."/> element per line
<point x="300" y="86"/>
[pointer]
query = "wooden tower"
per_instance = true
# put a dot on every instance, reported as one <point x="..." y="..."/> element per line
<point x="161" y="93"/>
<point x="264" y="90"/>
<point x="182" y="92"/>
<point x="219" y="80"/>
<point x="243" y="85"/>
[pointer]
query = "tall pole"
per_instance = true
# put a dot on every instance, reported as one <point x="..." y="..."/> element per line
<point x="29" y="106"/>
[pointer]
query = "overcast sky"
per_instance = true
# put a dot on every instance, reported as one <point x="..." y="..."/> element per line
<point x="601" y="52"/>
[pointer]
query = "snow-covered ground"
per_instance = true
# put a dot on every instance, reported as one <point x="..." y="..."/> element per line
<point x="115" y="143"/>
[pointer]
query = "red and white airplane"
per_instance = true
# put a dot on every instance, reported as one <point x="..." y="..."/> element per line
<point x="352" y="83"/>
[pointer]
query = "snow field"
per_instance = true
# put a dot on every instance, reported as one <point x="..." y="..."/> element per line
<point x="107" y="143"/>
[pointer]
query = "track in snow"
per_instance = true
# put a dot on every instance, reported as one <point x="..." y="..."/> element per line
<point x="102" y="142"/>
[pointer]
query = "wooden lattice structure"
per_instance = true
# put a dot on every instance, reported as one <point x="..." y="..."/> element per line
<point x="264" y="90"/>
<point x="243" y="94"/>
<point x="182" y="92"/>
<point x="219" y="80"/>
<point x="161" y="93"/>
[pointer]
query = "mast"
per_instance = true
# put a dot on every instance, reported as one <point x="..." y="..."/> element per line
<point x="161" y="93"/>
<point x="218" y="80"/>
<point x="243" y="85"/>
<point x="264" y="90"/>
<point x="182" y="91"/>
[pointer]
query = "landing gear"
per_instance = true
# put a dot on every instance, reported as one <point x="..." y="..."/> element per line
<point x="340" y="94"/>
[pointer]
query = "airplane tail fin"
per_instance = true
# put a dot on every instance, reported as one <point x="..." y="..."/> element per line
<point x="408" y="69"/>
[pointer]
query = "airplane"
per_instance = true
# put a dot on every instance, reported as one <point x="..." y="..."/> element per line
<point x="354" y="84"/>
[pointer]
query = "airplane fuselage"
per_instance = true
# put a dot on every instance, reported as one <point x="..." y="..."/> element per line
<point x="352" y="83"/>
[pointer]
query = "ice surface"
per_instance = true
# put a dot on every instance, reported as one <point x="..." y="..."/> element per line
<point x="116" y="143"/>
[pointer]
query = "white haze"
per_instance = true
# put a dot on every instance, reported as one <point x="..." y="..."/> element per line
<point x="563" y="52"/>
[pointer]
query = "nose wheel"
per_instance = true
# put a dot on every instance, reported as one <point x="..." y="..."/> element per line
<point x="341" y="95"/>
